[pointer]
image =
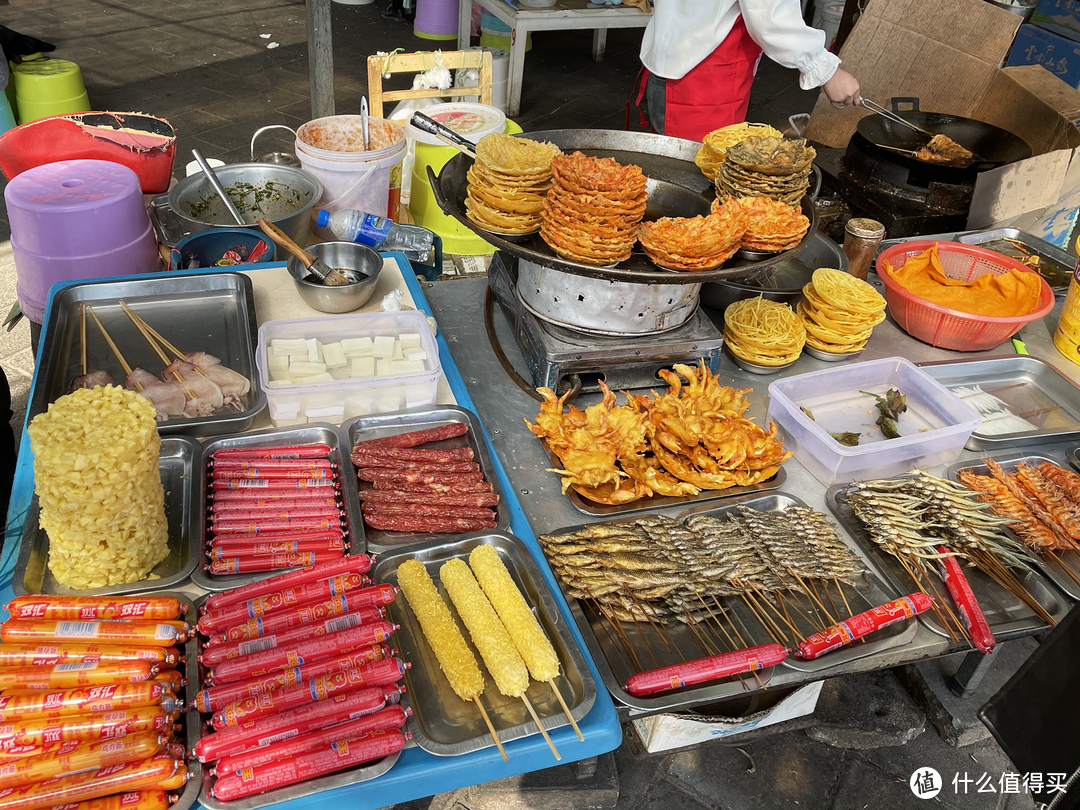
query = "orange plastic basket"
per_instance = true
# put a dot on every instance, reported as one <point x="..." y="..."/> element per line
<point x="949" y="328"/>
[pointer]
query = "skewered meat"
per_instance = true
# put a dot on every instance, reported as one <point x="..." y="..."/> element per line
<point x="204" y="395"/>
<point x="92" y="379"/>
<point x="167" y="398"/>
<point x="203" y="360"/>
<point x="233" y="385"/>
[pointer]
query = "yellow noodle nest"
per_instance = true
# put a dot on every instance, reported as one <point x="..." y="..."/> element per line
<point x="840" y="311"/>
<point x="763" y="332"/>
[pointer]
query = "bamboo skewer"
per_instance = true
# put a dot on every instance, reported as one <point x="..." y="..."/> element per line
<point x="566" y="709"/>
<point x="142" y="327"/>
<point x="540" y="726"/>
<point x="491" y="728"/>
<point x="82" y="339"/>
<point x="116" y="351"/>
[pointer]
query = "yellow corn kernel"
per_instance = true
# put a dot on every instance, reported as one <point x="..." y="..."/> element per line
<point x="441" y="631"/>
<point x="487" y="632"/>
<point x="516" y="615"/>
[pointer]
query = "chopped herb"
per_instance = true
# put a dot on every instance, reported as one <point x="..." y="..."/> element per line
<point x="889" y="407"/>
<point x="807" y="412"/>
<point x="847" y="439"/>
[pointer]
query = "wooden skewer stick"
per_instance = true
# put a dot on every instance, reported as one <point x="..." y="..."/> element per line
<point x="141" y="326"/>
<point x="116" y="351"/>
<point x="540" y="726"/>
<point x="82" y="339"/>
<point x="491" y="728"/>
<point x="566" y="709"/>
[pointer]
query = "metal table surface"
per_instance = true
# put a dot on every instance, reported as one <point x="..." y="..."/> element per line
<point x="502" y="407"/>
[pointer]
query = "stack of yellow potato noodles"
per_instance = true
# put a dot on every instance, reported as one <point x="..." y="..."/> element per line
<point x="840" y="311"/>
<point x="508" y="183"/>
<point x="698" y="243"/>
<point x="766" y="166"/>
<point x="714" y="145"/>
<point x="763" y="332"/>
<point x="771" y="226"/>
<point x="593" y="209"/>
<point x="98" y="486"/>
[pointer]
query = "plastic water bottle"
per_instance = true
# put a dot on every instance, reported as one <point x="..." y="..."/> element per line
<point x="380" y="233"/>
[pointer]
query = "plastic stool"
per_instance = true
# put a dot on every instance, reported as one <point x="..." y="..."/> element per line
<point x="7" y="117"/>
<point x="501" y="43"/>
<point x="436" y="19"/>
<point x="45" y="87"/>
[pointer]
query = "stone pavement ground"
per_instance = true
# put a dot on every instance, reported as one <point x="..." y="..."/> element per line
<point x="208" y="67"/>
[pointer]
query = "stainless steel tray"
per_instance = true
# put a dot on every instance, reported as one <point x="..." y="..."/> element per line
<point x="657" y="502"/>
<point x="1031" y="388"/>
<point x="377" y="426"/>
<point x="1055" y="265"/>
<point x="178" y="461"/>
<point x="1072" y="455"/>
<point x="212" y="312"/>
<point x="309" y="434"/>
<point x="203" y="781"/>
<point x="870" y="590"/>
<point x="1005" y="614"/>
<point x="192" y="730"/>
<point x="1056" y="568"/>
<point x="442" y="723"/>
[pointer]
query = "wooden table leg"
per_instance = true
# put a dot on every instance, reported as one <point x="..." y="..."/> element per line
<point x="599" y="44"/>
<point x="518" y="39"/>
<point x="320" y="58"/>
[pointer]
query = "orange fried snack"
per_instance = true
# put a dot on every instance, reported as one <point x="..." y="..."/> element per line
<point x="698" y="243"/>
<point x="772" y="226"/>
<point x="1011" y="294"/>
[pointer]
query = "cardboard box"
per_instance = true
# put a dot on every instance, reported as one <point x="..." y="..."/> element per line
<point x="905" y="48"/>
<point x="1058" y="54"/>
<point x="662" y="732"/>
<point x="1060" y="16"/>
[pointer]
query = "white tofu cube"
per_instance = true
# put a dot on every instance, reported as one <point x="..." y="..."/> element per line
<point x="284" y="346"/>
<point x="280" y="375"/>
<point x="415" y="354"/>
<point x="406" y="366"/>
<point x="409" y="340"/>
<point x="277" y="361"/>
<point x="342" y="373"/>
<point x="334" y="355"/>
<point x="362" y="367"/>
<point x="305" y="368"/>
<point x="285" y="410"/>
<point x="383" y="367"/>
<point x="383" y="346"/>
<point x="314" y="350"/>
<point x="357" y="347"/>
<point x="397" y="353"/>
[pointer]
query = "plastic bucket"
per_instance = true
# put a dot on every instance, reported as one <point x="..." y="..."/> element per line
<point x="831" y="13"/>
<point x="1067" y="334"/>
<point x="352" y="178"/>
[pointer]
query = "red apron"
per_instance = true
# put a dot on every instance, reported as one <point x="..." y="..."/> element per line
<point x="716" y="92"/>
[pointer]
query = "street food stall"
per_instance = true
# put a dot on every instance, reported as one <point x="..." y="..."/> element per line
<point x="428" y="542"/>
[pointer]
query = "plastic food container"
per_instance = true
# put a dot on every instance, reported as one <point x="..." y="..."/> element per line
<point x="336" y="400"/>
<point x="933" y="431"/>
<point x="950" y="328"/>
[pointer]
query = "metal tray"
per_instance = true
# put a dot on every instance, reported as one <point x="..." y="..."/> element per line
<point x="1005" y="614"/>
<point x="309" y="434"/>
<point x="390" y="424"/>
<point x="657" y="502"/>
<point x="1031" y="388"/>
<point x="204" y="781"/>
<point x="442" y="723"/>
<point x="1072" y="455"/>
<point x="192" y="729"/>
<point x="1055" y="265"/>
<point x="1056" y="569"/>
<point x="178" y="461"/>
<point x="212" y="312"/>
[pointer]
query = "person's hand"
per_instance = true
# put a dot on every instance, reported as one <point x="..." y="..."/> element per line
<point x="842" y="89"/>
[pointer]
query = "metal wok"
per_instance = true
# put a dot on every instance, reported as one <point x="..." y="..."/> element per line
<point x="676" y="188"/>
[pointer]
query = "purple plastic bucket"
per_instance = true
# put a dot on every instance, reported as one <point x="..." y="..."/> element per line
<point x="75" y="208"/>
<point x="37" y="273"/>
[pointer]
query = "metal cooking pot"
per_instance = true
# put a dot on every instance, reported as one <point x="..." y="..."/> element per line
<point x="172" y="212"/>
<point x="601" y="306"/>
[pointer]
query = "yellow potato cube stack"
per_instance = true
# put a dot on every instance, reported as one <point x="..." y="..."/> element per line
<point x="98" y="486"/>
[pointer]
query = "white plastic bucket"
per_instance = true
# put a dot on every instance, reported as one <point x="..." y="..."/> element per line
<point x="500" y="78"/>
<point x="352" y="178"/>
<point x="831" y="13"/>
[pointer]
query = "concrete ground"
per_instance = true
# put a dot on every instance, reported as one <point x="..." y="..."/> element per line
<point x="219" y="71"/>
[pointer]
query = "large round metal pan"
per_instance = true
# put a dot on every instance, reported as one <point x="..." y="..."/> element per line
<point x="995" y="146"/>
<point x="676" y="188"/>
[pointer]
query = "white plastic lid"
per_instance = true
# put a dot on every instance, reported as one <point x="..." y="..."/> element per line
<point x="467" y="119"/>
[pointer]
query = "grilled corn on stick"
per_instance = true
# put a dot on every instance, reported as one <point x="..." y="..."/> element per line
<point x="455" y="658"/>
<point x="487" y="632"/>
<point x="516" y="615"/>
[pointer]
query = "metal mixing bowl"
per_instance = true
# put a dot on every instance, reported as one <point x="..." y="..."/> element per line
<point x="362" y="260"/>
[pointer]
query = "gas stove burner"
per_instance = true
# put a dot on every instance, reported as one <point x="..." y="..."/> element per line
<point x="554" y="354"/>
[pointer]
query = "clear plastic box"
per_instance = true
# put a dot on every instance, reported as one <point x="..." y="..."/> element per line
<point x="337" y="400"/>
<point x="933" y="431"/>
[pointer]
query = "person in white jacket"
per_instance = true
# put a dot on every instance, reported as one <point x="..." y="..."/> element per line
<point x="700" y="57"/>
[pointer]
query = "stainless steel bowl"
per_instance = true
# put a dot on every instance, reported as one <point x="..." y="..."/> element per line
<point x="361" y="260"/>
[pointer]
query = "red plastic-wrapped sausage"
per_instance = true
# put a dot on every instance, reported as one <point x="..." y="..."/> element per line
<point x="303" y="652"/>
<point x="971" y="614"/>
<point x="418" y="476"/>
<point x="48" y="653"/>
<point x="335" y="757"/>
<point x="219" y="650"/>
<point x="270" y="562"/>
<point x="88" y="785"/>
<point x="862" y="624"/>
<point x="279" y="599"/>
<point x="294" y="617"/>
<point x="380" y="672"/>
<point x="277" y="474"/>
<point x="271" y="526"/>
<point x="238" y="540"/>
<point x="276" y="451"/>
<point x="235" y="512"/>
<point x="353" y="564"/>
<point x="405" y="523"/>
<point x="49" y="705"/>
<point x="90" y="726"/>
<point x="390" y="466"/>
<point x="271" y="464"/>
<point x="267" y="547"/>
<point x="705" y="669"/>
<point x="275" y="484"/>
<point x="391" y="717"/>
<point x="268" y="730"/>
<point x="88" y="607"/>
<point x="415" y="438"/>
<point x="252" y="503"/>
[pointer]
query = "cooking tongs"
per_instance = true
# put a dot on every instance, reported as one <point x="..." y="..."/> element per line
<point x="874" y="107"/>
<point x="444" y="134"/>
